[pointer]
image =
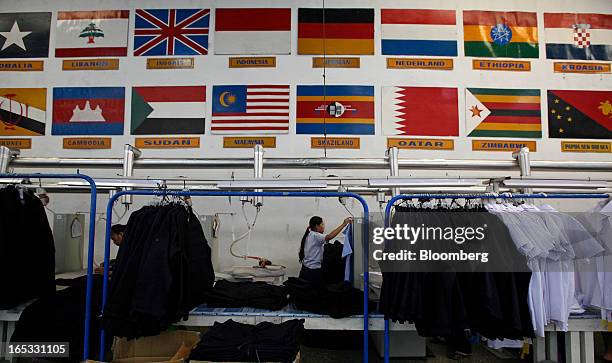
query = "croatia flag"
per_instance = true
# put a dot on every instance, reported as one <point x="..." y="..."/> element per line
<point x="101" y="33"/>
<point x="419" y="32"/>
<point x="253" y="31"/>
<point x="578" y="36"/>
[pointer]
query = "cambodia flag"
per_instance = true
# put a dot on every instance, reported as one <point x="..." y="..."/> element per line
<point x="88" y="111"/>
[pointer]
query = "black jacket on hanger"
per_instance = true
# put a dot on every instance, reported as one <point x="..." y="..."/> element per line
<point x="27" y="249"/>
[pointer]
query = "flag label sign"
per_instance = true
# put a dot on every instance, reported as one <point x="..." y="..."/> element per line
<point x="503" y="145"/>
<point x="167" y="142"/>
<point x="335" y="143"/>
<point x="336" y="62"/>
<point x="578" y="67"/>
<point x="512" y="66"/>
<point x="110" y="64"/>
<point x="422" y="144"/>
<point x="21" y="66"/>
<point x="585" y="147"/>
<point x="170" y="63"/>
<point x="16" y="143"/>
<point x="445" y="64"/>
<point x="230" y="142"/>
<point x="87" y="143"/>
<point x="252" y="62"/>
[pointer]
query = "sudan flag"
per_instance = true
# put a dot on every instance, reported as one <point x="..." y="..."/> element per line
<point x="494" y="112"/>
<point x="171" y="110"/>
<point x="336" y="31"/>
<point x="580" y="114"/>
<point x="500" y="34"/>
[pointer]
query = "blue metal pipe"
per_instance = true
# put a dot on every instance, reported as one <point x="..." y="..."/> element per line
<point x="366" y="219"/>
<point x="474" y="196"/>
<point x="92" y="234"/>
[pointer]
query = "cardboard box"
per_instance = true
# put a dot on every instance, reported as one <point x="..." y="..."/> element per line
<point x="159" y="348"/>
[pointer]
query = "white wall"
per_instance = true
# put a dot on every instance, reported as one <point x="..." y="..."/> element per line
<point x="282" y="222"/>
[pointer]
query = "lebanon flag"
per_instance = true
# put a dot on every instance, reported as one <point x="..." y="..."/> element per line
<point x="92" y="33"/>
<point x="253" y="31"/>
<point x="420" y="111"/>
<point x="168" y="110"/>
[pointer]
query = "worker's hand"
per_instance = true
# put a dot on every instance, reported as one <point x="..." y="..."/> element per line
<point x="99" y="270"/>
<point x="348" y="220"/>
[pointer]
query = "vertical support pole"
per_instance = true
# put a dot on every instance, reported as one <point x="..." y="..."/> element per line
<point x="572" y="347"/>
<point x="393" y="154"/>
<point x="587" y="347"/>
<point x="539" y="349"/>
<point x="130" y="153"/>
<point x="524" y="162"/>
<point x="258" y="172"/>
<point x="551" y="345"/>
<point x="6" y="155"/>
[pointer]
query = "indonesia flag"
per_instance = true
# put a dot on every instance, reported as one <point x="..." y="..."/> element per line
<point x="578" y="36"/>
<point x="419" y="32"/>
<point x="101" y="33"/>
<point x="253" y="31"/>
<point x="252" y="109"/>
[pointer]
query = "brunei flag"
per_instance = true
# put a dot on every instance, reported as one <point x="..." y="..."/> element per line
<point x="500" y="34"/>
<point x="580" y="114"/>
<point x="344" y="110"/>
<point x="494" y="112"/>
<point x="336" y="31"/>
<point x="23" y="111"/>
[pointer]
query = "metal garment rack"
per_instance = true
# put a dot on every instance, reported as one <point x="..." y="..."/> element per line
<point x="182" y="193"/>
<point x="92" y="235"/>
<point x="391" y="203"/>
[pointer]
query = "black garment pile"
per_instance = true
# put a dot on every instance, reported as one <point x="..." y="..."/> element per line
<point x="261" y="295"/>
<point x="27" y="250"/>
<point x="60" y="317"/>
<point x="339" y="300"/>
<point x="163" y="271"/>
<point x="333" y="265"/>
<point x="265" y="342"/>
<point x="456" y="300"/>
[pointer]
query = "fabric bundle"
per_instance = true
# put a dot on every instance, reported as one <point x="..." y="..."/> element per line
<point x="27" y="249"/>
<point x="339" y="300"/>
<point x="163" y="271"/>
<point x="226" y="294"/>
<point x="235" y="342"/>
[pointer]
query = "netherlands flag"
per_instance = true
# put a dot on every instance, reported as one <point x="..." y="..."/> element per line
<point x="419" y="32"/>
<point x="578" y="36"/>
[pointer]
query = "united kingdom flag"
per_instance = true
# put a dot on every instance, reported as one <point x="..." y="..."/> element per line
<point x="171" y="32"/>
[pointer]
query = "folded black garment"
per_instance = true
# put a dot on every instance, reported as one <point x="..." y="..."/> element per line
<point x="235" y="342"/>
<point x="226" y="294"/>
<point x="338" y="300"/>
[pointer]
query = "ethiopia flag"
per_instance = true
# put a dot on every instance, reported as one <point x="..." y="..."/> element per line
<point x="336" y="31"/>
<point x="500" y="34"/>
<point x="347" y="110"/>
<point x="495" y="112"/>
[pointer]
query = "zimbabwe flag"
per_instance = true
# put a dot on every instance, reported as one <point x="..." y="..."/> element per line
<point x="336" y="31"/>
<point x="495" y="112"/>
<point x="500" y="34"/>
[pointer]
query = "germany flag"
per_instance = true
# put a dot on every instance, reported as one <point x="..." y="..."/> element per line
<point x="336" y="31"/>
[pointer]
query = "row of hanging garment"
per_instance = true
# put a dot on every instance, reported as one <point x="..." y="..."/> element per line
<point x="163" y="270"/>
<point x="567" y="254"/>
<point x="27" y="250"/>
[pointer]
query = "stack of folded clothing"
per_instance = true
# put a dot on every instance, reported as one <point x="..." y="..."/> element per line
<point x="338" y="300"/>
<point x="265" y="342"/>
<point x="227" y="294"/>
